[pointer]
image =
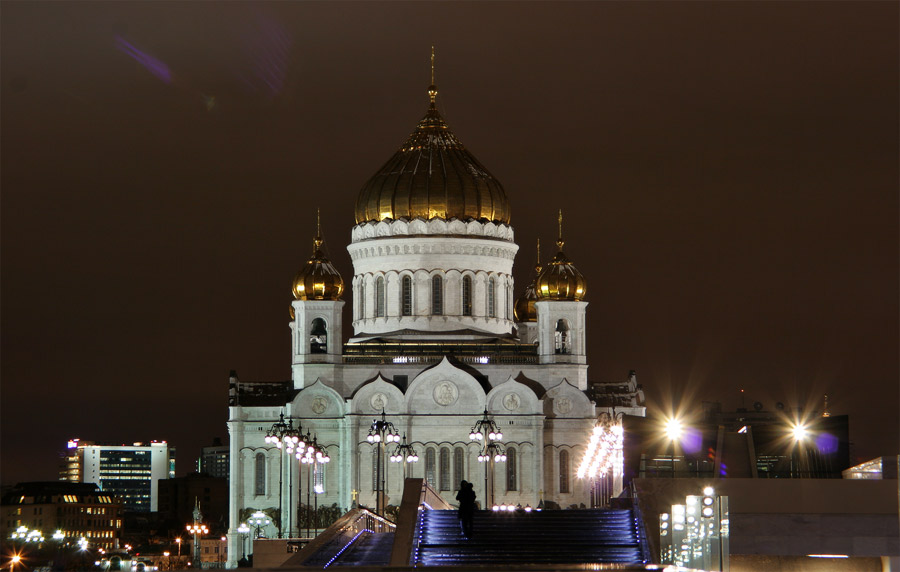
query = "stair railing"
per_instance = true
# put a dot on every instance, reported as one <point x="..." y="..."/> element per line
<point x="418" y="496"/>
<point x="647" y="555"/>
<point x="328" y="546"/>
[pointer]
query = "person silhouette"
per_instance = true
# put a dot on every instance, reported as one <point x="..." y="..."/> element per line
<point x="466" y="498"/>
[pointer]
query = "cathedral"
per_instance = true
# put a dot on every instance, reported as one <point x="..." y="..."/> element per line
<point x="482" y="385"/>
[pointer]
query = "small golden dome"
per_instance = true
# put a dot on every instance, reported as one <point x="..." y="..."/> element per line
<point x="432" y="175"/>
<point x="560" y="280"/>
<point x="524" y="310"/>
<point x="318" y="279"/>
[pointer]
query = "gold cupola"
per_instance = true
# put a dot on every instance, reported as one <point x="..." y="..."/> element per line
<point x="432" y="175"/>
<point x="560" y="280"/>
<point x="524" y="310"/>
<point x="318" y="279"/>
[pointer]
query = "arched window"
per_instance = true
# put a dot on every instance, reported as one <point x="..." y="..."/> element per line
<point x="437" y="296"/>
<point x="445" y="469"/>
<point x="562" y="337"/>
<point x="429" y="467"/>
<point x="512" y="481"/>
<point x="260" y="474"/>
<point x="467" y="295"/>
<point x="379" y="297"/>
<point x="319" y="478"/>
<point x="458" y="466"/>
<point x="318" y="337"/>
<point x="406" y="296"/>
<point x="563" y="471"/>
<point x="362" y="299"/>
<point x="492" y="302"/>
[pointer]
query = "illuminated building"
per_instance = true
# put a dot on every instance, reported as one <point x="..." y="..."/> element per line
<point x="213" y="460"/>
<point x="439" y="340"/>
<point x="72" y="510"/>
<point x="130" y="472"/>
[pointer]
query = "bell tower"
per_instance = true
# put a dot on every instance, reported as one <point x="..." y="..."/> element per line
<point x="316" y="333"/>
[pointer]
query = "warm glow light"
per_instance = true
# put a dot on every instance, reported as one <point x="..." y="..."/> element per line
<point x="674" y="429"/>
<point x="800" y="432"/>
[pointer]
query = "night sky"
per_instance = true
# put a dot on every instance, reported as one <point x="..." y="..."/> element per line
<point x="728" y="174"/>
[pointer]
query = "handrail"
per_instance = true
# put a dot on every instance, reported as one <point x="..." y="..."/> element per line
<point x="647" y="555"/>
<point x="334" y="540"/>
<point x="417" y="496"/>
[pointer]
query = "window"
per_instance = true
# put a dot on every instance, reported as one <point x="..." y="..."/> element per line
<point x="492" y="306"/>
<point x="445" y="469"/>
<point x="562" y="337"/>
<point x="406" y="296"/>
<point x="379" y="297"/>
<point x="458" y="466"/>
<point x="318" y="337"/>
<point x="563" y="471"/>
<point x="437" y="296"/>
<point x="362" y="299"/>
<point x="376" y="469"/>
<point x="260" y="475"/>
<point x="511" y="470"/>
<point x="319" y="478"/>
<point x="429" y="466"/>
<point x="467" y="295"/>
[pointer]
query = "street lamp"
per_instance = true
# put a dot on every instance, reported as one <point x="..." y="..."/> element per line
<point x="674" y="430"/>
<point x="800" y="433"/>
<point x="486" y="432"/>
<point x="243" y="530"/>
<point x="604" y="458"/>
<point x="312" y="456"/>
<point x="382" y="431"/>
<point x="259" y="519"/>
<point x="178" y="542"/>
<point x="197" y="529"/>
<point x="404" y="453"/>
<point x="287" y="439"/>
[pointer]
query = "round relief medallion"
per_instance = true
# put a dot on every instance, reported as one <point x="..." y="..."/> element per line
<point x="512" y="402"/>
<point x="319" y="404"/>
<point x="445" y="393"/>
<point x="378" y="401"/>
<point x="563" y="405"/>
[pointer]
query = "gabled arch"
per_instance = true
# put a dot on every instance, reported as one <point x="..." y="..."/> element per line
<point x="317" y="401"/>
<point x="499" y="401"/>
<point x="368" y="395"/>
<point x="428" y="392"/>
<point x="567" y="401"/>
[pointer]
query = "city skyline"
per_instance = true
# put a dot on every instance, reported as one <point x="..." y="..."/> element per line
<point x="727" y="175"/>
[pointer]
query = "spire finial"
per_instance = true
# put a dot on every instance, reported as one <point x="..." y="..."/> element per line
<point x="317" y="241"/>
<point x="537" y="264"/>
<point x="432" y="89"/>
<point x="559" y="241"/>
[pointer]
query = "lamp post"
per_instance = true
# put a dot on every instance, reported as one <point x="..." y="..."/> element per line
<point x="486" y="432"/>
<point x="312" y="456"/>
<point x="382" y="431"/>
<point x="259" y="519"/>
<point x="674" y="430"/>
<point x="244" y="531"/>
<point x="197" y="528"/>
<point x="799" y="434"/>
<point x="178" y="542"/>
<point x="604" y="459"/>
<point x="404" y="453"/>
<point x="286" y="439"/>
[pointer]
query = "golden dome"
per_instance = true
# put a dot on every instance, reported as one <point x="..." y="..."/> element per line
<point x="524" y="310"/>
<point x="560" y="280"/>
<point x="318" y="279"/>
<point x="432" y="175"/>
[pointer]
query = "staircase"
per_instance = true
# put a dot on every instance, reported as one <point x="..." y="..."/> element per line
<point x="550" y="536"/>
<point x="370" y="549"/>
